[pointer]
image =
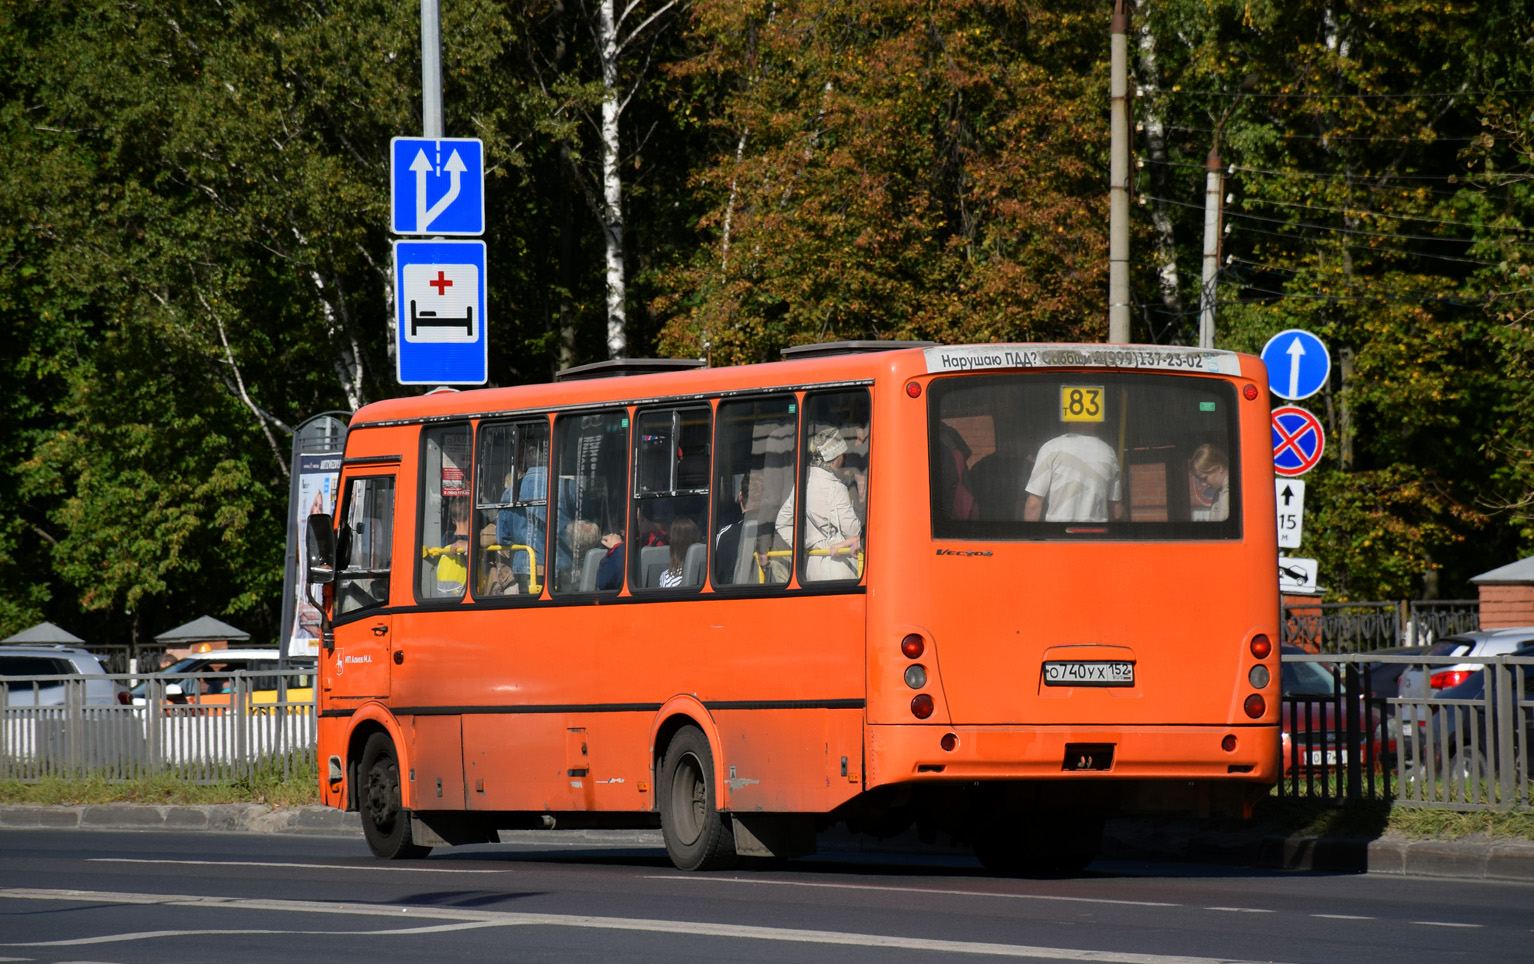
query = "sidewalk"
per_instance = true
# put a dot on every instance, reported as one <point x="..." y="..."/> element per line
<point x="1126" y="839"/>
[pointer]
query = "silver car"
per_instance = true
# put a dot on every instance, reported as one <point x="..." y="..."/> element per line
<point x="1422" y="682"/>
<point x="20" y="667"/>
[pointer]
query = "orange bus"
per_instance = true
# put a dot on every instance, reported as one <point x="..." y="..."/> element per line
<point x="997" y="592"/>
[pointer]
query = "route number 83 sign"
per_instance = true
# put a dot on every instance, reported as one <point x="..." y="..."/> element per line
<point x="1081" y="403"/>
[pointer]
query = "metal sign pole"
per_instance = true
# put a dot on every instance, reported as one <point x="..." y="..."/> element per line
<point x="431" y="69"/>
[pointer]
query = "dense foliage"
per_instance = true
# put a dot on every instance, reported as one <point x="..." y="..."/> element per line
<point x="194" y="255"/>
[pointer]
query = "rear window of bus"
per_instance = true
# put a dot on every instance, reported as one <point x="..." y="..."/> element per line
<point x="1083" y="455"/>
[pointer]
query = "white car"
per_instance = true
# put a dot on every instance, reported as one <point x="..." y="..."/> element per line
<point x="182" y="685"/>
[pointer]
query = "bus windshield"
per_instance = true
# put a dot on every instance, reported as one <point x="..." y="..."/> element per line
<point x="1082" y="455"/>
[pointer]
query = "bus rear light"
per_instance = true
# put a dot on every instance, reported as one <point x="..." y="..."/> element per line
<point x="1258" y="677"/>
<point x="1255" y="705"/>
<point x="913" y="389"/>
<point x="1261" y="646"/>
<point x="921" y="706"/>
<point x="949" y="741"/>
<point x="1249" y="393"/>
<point x="1447" y="678"/>
<point x="913" y="646"/>
<point x="1229" y="743"/>
<point x="916" y="676"/>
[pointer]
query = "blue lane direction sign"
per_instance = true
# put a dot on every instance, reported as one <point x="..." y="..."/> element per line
<point x="437" y="186"/>
<point x="1298" y="364"/>
<point x="1297" y="441"/>
<point x="439" y="296"/>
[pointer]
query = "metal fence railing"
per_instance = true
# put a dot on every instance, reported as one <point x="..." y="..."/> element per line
<point x="202" y="728"/>
<point x="1382" y="732"/>
<point x="1361" y="627"/>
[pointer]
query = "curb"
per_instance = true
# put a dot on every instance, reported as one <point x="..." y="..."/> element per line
<point x="1470" y="858"/>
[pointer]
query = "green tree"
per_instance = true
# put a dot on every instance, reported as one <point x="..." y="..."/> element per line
<point x="895" y="169"/>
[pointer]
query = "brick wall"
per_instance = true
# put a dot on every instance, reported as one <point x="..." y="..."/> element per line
<point x="1503" y="606"/>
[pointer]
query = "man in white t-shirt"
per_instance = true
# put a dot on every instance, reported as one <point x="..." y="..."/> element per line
<point x="1075" y="479"/>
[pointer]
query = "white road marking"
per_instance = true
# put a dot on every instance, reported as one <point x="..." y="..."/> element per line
<point x="278" y="863"/>
<point x="1243" y="910"/>
<point x="912" y="890"/>
<point x="1342" y="916"/>
<point x="692" y="928"/>
<point x="1443" y="923"/>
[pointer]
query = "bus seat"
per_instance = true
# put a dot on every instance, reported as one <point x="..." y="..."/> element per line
<point x="692" y="568"/>
<point x="653" y="560"/>
<point x="590" y="563"/>
<point x="745" y="556"/>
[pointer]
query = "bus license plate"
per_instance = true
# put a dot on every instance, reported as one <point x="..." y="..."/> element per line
<point x="1074" y="672"/>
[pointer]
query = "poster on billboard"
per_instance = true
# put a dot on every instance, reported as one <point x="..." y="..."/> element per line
<point x="317" y="478"/>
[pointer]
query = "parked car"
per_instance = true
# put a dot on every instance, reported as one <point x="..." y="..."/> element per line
<point x="204" y="679"/>
<point x="19" y="662"/>
<point x="1460" y="738"/>
<point x="1314" y="734"/>
<point x="1422" y="682"/>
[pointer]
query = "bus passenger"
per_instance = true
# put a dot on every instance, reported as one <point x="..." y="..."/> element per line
<point x="1209" y="484"/>
<point x="452" y="564"/>
<point x="684" y="534"/>
<point x="727" y="547"/>
<point x="832" y="534"/>
<point x="1076" y="476"/>
<point x="610" y="573"/>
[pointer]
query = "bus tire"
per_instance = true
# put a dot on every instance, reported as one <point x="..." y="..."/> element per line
<point x="697" y="835"/>
<point x="385" y="823"/>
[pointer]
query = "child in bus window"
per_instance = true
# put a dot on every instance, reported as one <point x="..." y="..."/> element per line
<point x="684" y="533"/>
<point x="1208" y="484"/>
<point x="452" y="564"/>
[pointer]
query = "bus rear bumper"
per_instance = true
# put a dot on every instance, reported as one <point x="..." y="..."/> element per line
<point x="906" y="753"/>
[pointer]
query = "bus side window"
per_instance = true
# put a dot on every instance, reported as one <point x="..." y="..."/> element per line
<point x="591" y="468"/>
<point x="512" y="498"/>
<point x="755" y="460"/>
<point x="672" y="460"/>
<point x="832" y="517"/>
<point x="445" y="519"/>
<point x="365" y="546"/>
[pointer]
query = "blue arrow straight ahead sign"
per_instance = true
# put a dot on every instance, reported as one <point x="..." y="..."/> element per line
<point x="1298" y="364"/>
<point x="437" y="186"/>
<point x="439" y="298"/>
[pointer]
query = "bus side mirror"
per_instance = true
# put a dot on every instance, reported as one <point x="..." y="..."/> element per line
<point x="320" y="543"/>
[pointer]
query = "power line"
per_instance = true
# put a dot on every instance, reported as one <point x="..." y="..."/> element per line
<point x="1375" y="250"/>
<point x="1142" y="91"/>
<point x="1354" y="181"/>
<point x="1356" y="231"/>
<point x="1337" y="137"/>
<point x="1258" y="199"/>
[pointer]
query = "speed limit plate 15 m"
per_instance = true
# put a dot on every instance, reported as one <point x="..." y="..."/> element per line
<point x="1297" y="441"/>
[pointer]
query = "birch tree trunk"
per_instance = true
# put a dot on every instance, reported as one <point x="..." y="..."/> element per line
<point x="612" y="186"/>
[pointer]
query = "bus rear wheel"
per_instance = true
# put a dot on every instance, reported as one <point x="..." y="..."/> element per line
<point x="697" y="836"/>
<point x="385" y="823"/>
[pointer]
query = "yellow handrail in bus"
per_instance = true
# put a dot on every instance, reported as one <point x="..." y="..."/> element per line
<point x="437" y="552"/>
<point x="533" y="585"/>
<point x="761" y="574"/>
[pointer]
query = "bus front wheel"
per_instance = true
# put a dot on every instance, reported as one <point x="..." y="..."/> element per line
<point x="385" y="823"/>
<point x="697" y="837"/>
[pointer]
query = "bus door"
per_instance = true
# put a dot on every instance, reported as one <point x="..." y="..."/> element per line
<point x="357" y="669"/>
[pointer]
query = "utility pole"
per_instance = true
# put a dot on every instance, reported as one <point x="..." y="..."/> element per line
<point x="1214" y="185"/>
<point x="431" y="69"/>
<point x="1118" y="175"/>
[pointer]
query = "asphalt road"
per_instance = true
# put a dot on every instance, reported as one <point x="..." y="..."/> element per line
<point x="115" y="896"/>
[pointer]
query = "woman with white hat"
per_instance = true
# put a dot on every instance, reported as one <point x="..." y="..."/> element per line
<point x="830" y="522"/>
